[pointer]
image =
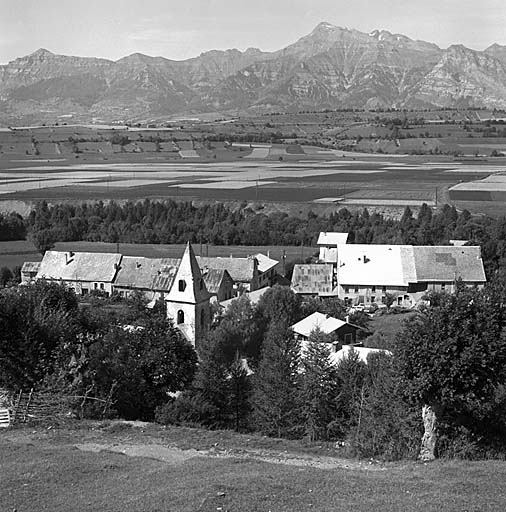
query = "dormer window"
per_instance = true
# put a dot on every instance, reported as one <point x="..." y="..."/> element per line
<point x="182" y="285"/>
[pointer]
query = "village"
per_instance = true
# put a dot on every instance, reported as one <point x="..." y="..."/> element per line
<point x="362" y="276"/>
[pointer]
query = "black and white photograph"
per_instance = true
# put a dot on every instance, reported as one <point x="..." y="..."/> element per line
<point x="252" y="256"/>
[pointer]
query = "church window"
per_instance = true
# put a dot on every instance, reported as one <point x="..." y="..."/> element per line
<point x="180" y="317"/>
<point x="182" y="285"/>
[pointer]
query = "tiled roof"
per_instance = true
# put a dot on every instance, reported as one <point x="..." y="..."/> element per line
<point x="313" y="278"/>
<point x="448" y="263"/>
<point x="147" y="273"/>
<point x="324" y="323"/>
<point x="332" y="238"/>
<point x="30" y="266"/>
<point x="79" y="266"/>
<point x="253" y="297"/>
<point x="240" y="269"/>
<point x="213" y="279"/>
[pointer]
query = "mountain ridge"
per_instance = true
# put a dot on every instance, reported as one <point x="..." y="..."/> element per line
<point x="331" y="67"/>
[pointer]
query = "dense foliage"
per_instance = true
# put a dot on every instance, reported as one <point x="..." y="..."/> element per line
<point x="50" y="342"/>
<point x="171" y="222"/>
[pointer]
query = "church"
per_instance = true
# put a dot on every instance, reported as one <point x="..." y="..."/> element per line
<point x="188" y="300"/>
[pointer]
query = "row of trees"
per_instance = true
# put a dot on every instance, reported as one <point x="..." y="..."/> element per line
<point x="177" y="222"/>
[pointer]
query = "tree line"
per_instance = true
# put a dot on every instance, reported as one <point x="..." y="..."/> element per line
<point x="171" y="222"/>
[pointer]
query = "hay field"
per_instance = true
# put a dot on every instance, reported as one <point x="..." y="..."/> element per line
<point x="313" y="175"/>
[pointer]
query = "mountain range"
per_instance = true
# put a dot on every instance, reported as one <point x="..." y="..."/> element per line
<point x="332" y="67"/>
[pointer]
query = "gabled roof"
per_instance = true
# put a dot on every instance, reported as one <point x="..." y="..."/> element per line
<point x="264" y="262"/>
<point x="147" y="273"/>
<point x="193" y="290"/>
<point x="448" y="263"/>
<point x="313" y="278"/>
<point x="253" y="297"/>
<point x="317" y="321"/>
<point x="30" y="266"/>
<point x="240" y="269"/>
<point x="381" y="265"/>
<point x="214" y="279"/>
<point x="79" y="266"/>
<point x="332" y="238"/>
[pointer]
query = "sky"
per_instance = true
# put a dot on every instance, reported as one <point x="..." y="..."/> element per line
<point x="185" y="28"/>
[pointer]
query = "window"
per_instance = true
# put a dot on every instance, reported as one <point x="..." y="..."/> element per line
<point x="356" y="289"/>
<point x="101" y="286"/>
<point x="373" y="289"/>
<point x="95" y="285"/>
<point x="346" y="289"/>
<point x="443" y="287"/>
<point x="180" y="317"/>
<point x="373" y="298"/>
<point x="348" y="337"/>
<point x="182" y="285"/>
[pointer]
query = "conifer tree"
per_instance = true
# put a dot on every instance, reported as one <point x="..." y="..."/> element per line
<point x="276" y="383"/>
<point x="318" y="387"/>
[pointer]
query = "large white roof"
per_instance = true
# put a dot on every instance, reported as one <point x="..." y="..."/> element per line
<point x="381" y="265"/>
<point x="362" y="352"/>
<point x="332" y="238"/>
<point x="264" y="262"/>
<point x="317" y="321"/>
<point x="399" y="265"/>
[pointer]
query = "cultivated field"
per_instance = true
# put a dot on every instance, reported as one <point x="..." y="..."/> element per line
<point x="117" y="467"/>
<point x="81" y="163"/>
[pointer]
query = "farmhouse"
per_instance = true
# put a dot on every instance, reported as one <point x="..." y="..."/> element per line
<point x="337" y="330"/>
<point x="81" y="271"/>
<point x="367" y="273"/>
<point x="267" y="270"/>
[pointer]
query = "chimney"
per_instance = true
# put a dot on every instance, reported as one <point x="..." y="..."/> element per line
<point x="68" y="257"/>
<point x="347" y="319"/>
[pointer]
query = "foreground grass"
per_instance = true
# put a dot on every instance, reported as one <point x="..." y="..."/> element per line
<point x="43" y="470"/>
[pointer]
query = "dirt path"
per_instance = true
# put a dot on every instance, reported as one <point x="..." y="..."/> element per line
<point x="172" y="455"/>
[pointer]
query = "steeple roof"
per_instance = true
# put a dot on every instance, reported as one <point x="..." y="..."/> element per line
<point x="188" y="286"/>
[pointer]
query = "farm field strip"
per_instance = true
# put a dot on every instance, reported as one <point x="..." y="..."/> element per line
<point x="388" y="202"/>
<point x="224" y="184"/>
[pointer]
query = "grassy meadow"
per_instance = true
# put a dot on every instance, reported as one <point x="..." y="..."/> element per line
<point x="85" y="468"/>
